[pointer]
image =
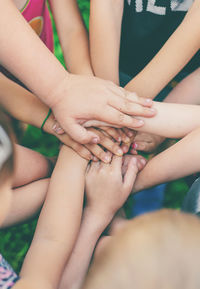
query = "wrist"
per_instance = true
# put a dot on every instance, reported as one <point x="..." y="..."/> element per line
<point x="56" y="94"/>
<point x="74" y="158"/>
<point x="100" y="218"/>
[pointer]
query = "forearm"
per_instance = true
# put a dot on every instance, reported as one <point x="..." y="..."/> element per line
<point x="173" y="56"/>
<point x="105" y="32"/>
<point x="91" y="229"/>
<point x="23" y="105"/>
<point x="187" y="91"/>
<point x="56" y="232"/>
<point x="180" y="160"/>
<point x="25" y="55"/>
<point x="172" y="120"/>
<point x="73" y="36"/>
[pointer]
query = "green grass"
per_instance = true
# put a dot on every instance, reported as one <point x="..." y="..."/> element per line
<point x="14" y="242"/>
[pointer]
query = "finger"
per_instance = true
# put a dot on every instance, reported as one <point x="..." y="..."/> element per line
<point x="134" y="145"/>
<point x="94" y="167"/>
<point x="124" y="137"/>
<point x="132" y="96"/>
<point x="126" y="161"/>
<point x="129" y="132"/>
<point x="78" y="148"/>
<point x="125" y="148"/>
<point x="108" y="143"/>
<point x="133" y="152"/>
<point x="80" y="134"/>
<point x="144" y="146"/>
<point x="57" y="128"/>
<point x="130" y="175"/>
<point x="131" y="108"/>
<point x="114" y="133"/>
<point x="97" y="123"/>
<point x="141" y="162"/>
<point x="99" y="153"/>
<point x="113" y="116"/>
<point x="117" y="163"/>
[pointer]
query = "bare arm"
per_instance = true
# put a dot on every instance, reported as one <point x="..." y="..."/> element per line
<point x="72" y="35"/>
<point x="187" y="91"/>
<point x="173" y="120"/>
<point x="106" y="191"/>
<point x="73" y="98"/>
<point x="59" y="221"/>
<point x="180" y="160"/>
<point x="105" y="32"/>
<point x="173" y="56"/>
<point x="25" y="55"/>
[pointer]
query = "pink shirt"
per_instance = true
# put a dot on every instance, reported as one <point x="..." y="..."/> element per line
<point x="37" y="14"/>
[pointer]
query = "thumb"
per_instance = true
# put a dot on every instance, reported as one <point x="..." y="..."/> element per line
<point x="130" y="176"/>
<point x="80" y="134"/>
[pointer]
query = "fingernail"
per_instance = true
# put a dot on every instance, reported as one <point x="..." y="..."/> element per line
<point x="107" y="159"/>
<point x="140" y="122"/>
<point x="54" y="127"/>
<point x="119" y="152"/>
<point x="59" y="130"/>
<point x="152" y="109"/>
<point x="148" y="100"/>
<point x="95" y="140"/>
<point x="134" y="146"/>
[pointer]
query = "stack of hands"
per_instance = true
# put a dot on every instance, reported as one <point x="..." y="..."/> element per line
<point x="110" y="128"/>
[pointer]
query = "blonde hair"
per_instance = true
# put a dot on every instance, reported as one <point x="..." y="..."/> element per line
<point x="155" y="251"/>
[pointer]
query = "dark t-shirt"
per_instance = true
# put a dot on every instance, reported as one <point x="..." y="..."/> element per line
<point x="146" y="26"/>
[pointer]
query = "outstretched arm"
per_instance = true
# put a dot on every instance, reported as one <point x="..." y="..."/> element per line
<point x="58" y="223"/>
<point x="73" y="36"/>
<point x="105" y="32"/>
<point x="172" y="120"/>
<point x="180" y="160"/>
<point x="73" y="98"/>
<point x="172" y="57"/>
<point x="187" y="91"/>
<point x="105" y="45"/>
<point x="106" y="191"/>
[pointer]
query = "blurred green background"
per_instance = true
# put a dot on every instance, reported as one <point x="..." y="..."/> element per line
<point x="14" y="242"/>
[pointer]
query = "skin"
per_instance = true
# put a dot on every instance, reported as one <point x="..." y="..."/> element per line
<point x="105" y="56"/>
<point x="147" y="243"/>
<point x="66" y="94"/>
<point x="24" y="103"/>
<point x="64" y="201"/>
<point x="106" y="192"/>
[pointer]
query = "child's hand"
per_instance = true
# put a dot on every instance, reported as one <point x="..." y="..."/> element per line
<point x="141" y="162"/>
<point x="81" y="98"/>
<point x="106" y="187"/>
<point x="91" y="151"/>
<point x="146" y="142"/>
